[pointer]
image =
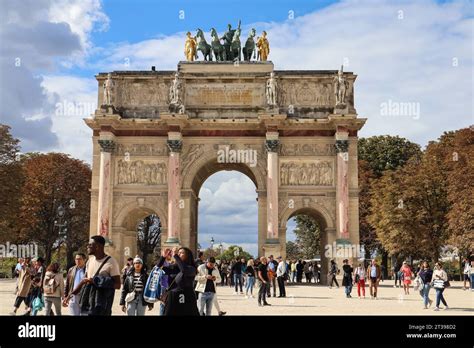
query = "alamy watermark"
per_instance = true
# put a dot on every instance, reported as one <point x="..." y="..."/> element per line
<point x="18" y="250"/>
<point x="343" y="251"/>
<point x="394" y="108"/>
<point x="228" y="155"/>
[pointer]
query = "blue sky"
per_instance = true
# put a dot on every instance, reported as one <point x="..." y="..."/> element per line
<point x="402" y="51"/>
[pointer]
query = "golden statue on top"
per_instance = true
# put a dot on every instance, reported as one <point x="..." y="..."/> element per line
<point x="190" y="48"/>
<point x="263" y="47"/>
<point x="230" y="49"/>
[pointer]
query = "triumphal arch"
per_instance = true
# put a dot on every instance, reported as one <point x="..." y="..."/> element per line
<point x="158" y="135"/>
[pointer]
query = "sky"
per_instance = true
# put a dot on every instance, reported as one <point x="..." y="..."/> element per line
<point x="414" y="53"/>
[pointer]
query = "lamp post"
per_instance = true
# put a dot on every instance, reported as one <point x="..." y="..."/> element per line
<point x="212" y="243"/>
<point x="62" y="226"/>
<point x="221" y="248"/>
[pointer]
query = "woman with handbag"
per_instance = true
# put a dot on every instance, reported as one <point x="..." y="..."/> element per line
<point x="179" y="298"/>
<point x="426" y="275"/>
<point x="440" y="282"/>
<point x="131" y="298"/>
<point x="360" y="279"/>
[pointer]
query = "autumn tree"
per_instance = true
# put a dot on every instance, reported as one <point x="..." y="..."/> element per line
<point x="293" y="251"/>
<point x="231" y="251"/>
<point x="53" y="180"/>
<point x="376" y="155"/>
<point x="11" y="178"/>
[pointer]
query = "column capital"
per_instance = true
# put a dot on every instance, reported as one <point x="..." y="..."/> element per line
<point x="272" y="145"/>
<point x="174" y="145"/>
<point x="106" y="145"/>
<point x="341" y="146"/>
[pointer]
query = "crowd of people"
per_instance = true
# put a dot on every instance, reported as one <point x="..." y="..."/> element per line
<point x="184" y="285"/>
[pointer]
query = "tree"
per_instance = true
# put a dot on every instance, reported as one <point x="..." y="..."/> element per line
<point x="308" y="236"/>
<point x="148" y="236"/>
<point x="293" y="251"/>
<point x="229" y="254"/>
<point x="53" y="180"/>
<point x="376" y="155"/>
<point x="11" y="179"/>
<point x="409" y="209"/>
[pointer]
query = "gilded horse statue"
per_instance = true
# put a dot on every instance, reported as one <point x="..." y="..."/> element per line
<point x="203" y="46"/>
<point x="217" y="47"/>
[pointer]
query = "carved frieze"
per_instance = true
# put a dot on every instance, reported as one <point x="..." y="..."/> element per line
<point x="316" y="172"/>
<point x="307" y="150"/>
<point x="141" y="150"/>
<point x="141" y="172"/>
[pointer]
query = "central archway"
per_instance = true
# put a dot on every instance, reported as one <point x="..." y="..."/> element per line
<point x="193" y="181"/>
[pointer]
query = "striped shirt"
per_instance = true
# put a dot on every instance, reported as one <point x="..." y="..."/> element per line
<point x="137" y="283"/>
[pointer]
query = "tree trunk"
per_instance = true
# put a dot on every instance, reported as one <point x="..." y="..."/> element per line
<point x="385" y="264"/>
<point x="69" y="256"/>
<point x="47" y="255"/>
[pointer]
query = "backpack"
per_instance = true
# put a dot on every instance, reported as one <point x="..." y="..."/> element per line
<point x="50" y="285"/>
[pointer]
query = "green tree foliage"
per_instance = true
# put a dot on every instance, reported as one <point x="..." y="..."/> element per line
<point x="308" y="236"/>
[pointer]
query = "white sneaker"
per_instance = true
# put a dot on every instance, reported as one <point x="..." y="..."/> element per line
<point x="12" y="313"/>
<point x="246" y="297"/>
<point x="436" y="309"/>
<point x="446" y="308"/>
<point x="394" y="286"/>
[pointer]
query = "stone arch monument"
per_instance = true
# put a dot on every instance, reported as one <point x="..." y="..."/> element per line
<point x="160" y="134"/>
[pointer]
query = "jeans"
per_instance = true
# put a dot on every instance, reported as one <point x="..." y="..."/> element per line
<point x="136" y="307"/>
<point x="74" y="308"/>
<point x="262" y="292"/>
<point x="48" y="305"/>
<point x="250" y="284"/>
<point x="348" y="289"/>
<point x="206" y="299"/>
<point x="293" y="277"/>
<point x="162" y="305"/>
<point x="440" y="297"/>
<point x="424" y="292"/>
<point x="238" y="279"/>
<point x="472" y="281"/>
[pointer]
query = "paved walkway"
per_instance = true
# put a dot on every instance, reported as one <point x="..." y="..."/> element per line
<point x="312" y="300"/>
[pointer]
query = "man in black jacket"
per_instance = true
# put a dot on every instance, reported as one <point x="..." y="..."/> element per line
<point x="237" y="272"/>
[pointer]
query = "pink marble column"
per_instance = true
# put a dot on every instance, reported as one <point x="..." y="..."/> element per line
<point x="173" y="191"/>
<point x="272" y="189"/>
<point x="342" y="188"/>
<point x="105" y="185"/>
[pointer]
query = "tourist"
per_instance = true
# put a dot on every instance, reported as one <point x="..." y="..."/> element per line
<point x="407" y="275"/>
<point x="293" y="271"/>
<point x="374" y="274"/>
<point x="272" y="267"/>
<point x="74" y="276"/>
<point x="333" y="271"/>
<point x="397" y="275"/>
<point x="200" y="259"/>
<point x="426" y="275"/>
<point x="230" y="274"/>
<point x="264" y="282"/>
<point x="250" y="272"/>
<point x="38" y="268"/>
<point x="16" y="272"/>
<point x="359" y="275"/>
<point x="307" y="271"/>
<point x="131" y="300"/>
<point x="181" y="298"/>
<point x="223" y="269"/>
<point x="471" y="275"/>
<point x="347" y="278"/>
<point x="165" y="281"/>
<point x="101" y="280"/>
<point x="439" y="281"/>
<point x="299" y="271"/>
<point x="207" y="277"/>
<point x="237" y="272"/>
<point x="466" y="267"/>
<point x="53" y="289"/>
<point x="23" y="289"/>
<point x="128" y="266"/>
<point x="281" y="274"/>
<point x="316" y="272"/>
